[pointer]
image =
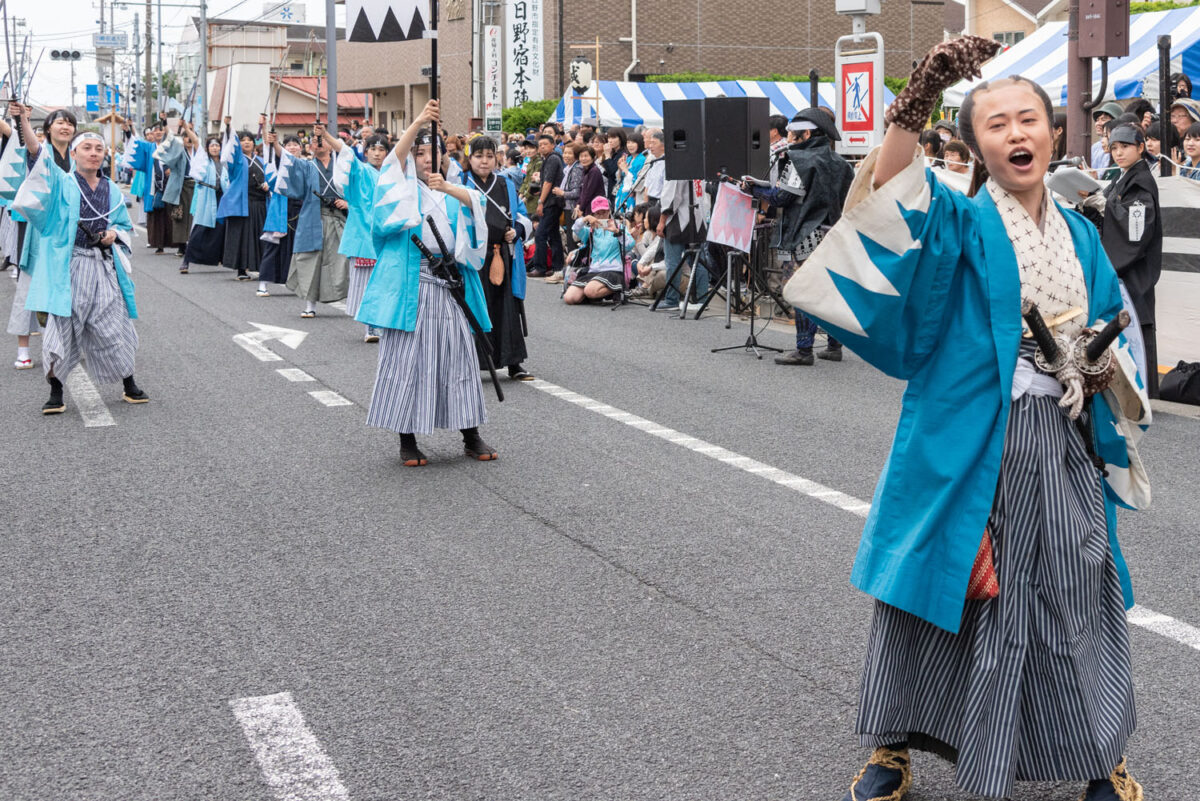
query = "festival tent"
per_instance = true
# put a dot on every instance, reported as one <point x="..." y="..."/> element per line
<point x="1042" y="57"/>
<point x="628" y="104"/>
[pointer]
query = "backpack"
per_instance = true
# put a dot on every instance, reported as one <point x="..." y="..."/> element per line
<point x="1182" y="384"/>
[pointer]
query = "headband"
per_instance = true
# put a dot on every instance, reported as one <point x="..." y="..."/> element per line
<point x="426" y="138"/>
<point x="83" y="137"/>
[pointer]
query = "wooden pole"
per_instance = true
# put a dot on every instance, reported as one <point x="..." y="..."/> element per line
<point x="433" y="79"/>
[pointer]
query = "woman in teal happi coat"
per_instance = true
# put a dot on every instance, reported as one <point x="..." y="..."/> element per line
<point x="357" y="179"/>
<point x="428" y="376"/>
<point x="927" y="284"/>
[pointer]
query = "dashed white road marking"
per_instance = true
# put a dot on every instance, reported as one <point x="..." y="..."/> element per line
<point x="330" y="398"/>
<point x="1165" y="625"/>
<point x="288" y="753"/>
<point x="251" y="341"/>
<point x="294" y="374"/>
<point x="1148" y="619"/>
<point x="87" y="398"/>
<point x="340" y="305"/>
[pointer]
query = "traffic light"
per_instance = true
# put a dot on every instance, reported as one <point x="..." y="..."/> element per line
<point x="65" y="55"/>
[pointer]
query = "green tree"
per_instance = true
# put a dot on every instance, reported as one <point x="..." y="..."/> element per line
<point x="530" y="114"/>
<point x="170" y="85"/>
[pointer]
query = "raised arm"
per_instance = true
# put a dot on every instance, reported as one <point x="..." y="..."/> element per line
<point x="404" y="144"/>
<point x="944" y="65"/>
<point x="335" y="142"/>
<point x="20" y="115"/>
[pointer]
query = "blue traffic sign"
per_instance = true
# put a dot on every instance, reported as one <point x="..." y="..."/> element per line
<point x="112" y="95"/>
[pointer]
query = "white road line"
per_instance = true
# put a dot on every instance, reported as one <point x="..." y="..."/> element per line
<point x="1140" y="616"/>
<point x="330" y="398"/>
<point x="287" y="752"/>
<point x="294" y="374"/>
<point x="1165" y="625"/>
<point x="340" y="305"/>
<point x="87" y="398"/>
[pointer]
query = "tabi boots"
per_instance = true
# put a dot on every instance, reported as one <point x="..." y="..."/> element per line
<point x="886" y="777"/>
<point x="1119" y="786"/>
<point x="132" y="393"/>
<point x="55" y="405"/>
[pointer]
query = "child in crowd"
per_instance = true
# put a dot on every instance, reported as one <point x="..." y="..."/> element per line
<point x="606" y="263"/>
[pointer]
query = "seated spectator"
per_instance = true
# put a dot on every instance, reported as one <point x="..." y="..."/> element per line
<point x="607" y="242"/>
<point x="648" y="250"/>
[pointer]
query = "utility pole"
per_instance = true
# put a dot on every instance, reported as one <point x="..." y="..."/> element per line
<point x="160" y="105"/>
<point x="146" y="84"/>
<point x="331" y="107"/>
<point x="203" y="127"/>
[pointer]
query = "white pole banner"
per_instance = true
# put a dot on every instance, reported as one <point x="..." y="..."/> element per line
<point x="526" y="79"/>
<point x="493" y="98"/>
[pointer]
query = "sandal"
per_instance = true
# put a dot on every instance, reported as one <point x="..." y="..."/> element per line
<point x="887" y="776"/>
<point x="262" y="293"/>
<point x="413" y="457"/>
<point x="480" y="451"/>
<point x="520" y="374"/>
<point x="307" y="315"/>
<point x="23" y="364"/>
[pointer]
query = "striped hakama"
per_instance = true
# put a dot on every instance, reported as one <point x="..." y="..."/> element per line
<point x="21" y="321"/>
<point x="1037" y="684"/>
<point x="428" y="378"/>
<point x="181" y="229"/>
<point x="9" y="251"/>
<point x="99" y="327"/>
<point x="322" y="275"/>
<point x="359" y="276"/>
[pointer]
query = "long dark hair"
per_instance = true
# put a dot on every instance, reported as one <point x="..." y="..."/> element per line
<point x="966" y="124"/>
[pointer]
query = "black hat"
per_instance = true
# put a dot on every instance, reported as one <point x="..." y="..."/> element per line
<point x="1128" y="134"/>
<point x="807" y="119"/>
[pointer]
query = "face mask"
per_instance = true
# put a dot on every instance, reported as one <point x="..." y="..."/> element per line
<point x="945" y="136"/>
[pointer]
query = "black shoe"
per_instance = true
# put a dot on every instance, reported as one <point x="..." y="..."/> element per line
<point x="518" y="373"/>
<point x="800" y="357"/>
<point x="830" y="354"/>
<point x="537" y="273"/>
<point x="241" y="276"/>
<point x="55" y="405"/>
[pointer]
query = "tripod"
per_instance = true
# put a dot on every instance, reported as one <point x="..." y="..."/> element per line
<point x="756" y="280"/>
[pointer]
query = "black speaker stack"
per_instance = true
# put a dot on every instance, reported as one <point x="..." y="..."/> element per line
<point x="716" y="135"/>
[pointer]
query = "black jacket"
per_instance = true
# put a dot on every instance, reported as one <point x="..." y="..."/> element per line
<point x="825" y="177"/>
<point x="1138" y="263"/>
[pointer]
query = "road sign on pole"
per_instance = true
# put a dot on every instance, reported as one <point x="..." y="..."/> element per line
<point x="112" y="95"/>
<point x="859" y="75"/>
<point x="113" y="41"/>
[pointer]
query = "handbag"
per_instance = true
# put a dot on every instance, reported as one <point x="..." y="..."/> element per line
<point x="983" y="584"/>
<point x="1181" y="384"/>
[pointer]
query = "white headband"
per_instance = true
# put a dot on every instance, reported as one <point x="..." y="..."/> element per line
<point x="83" y="137"/>
<point x="801" y="125"/>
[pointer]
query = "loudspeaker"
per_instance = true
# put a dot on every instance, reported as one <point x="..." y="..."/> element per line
<point x="683" y="136"/>
<point x="735" y="136"/>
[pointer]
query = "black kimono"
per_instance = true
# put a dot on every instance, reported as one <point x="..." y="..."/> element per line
<point x="1138" y="261"/>
<point x="504" y="308"/>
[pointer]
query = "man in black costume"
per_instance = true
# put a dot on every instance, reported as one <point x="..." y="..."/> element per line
<point x="810" y="191"/>
<point x="503" y="273"/>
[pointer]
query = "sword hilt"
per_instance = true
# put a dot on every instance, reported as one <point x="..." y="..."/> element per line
<point x="1041" y="333"/>
<point x="1107" y="336"/>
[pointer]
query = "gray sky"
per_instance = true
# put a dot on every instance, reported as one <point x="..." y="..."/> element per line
<point x="59" y="24"/>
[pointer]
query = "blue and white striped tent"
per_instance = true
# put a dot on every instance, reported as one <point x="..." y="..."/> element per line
<point x="628" y="104"/>
<point x="1042" y="57"/>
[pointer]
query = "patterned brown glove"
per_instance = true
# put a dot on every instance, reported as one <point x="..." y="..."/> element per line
<point x="944" y="65"/>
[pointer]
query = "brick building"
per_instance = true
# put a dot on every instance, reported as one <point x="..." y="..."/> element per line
<point x="747" y="38"/>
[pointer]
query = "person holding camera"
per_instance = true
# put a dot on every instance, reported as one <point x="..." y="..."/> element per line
<point x="607" y="242"/>
<point x="317" y="272"/>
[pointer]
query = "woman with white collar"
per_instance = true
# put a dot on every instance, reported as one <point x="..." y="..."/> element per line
<point x="428" y="369"/>
<point x="83" y="284"/>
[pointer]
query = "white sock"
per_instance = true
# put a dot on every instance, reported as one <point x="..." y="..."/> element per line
<point x="310" y="305"/>
<point x="22" y="354"/>
<point x="262" y="286"/>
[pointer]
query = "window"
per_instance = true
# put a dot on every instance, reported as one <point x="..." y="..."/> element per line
<point x="1009" y="38"/>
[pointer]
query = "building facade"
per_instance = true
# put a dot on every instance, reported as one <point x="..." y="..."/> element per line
<point x="750" y="38"/>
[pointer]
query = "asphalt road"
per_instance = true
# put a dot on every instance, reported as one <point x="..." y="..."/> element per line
<point x="610" y="611"/>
